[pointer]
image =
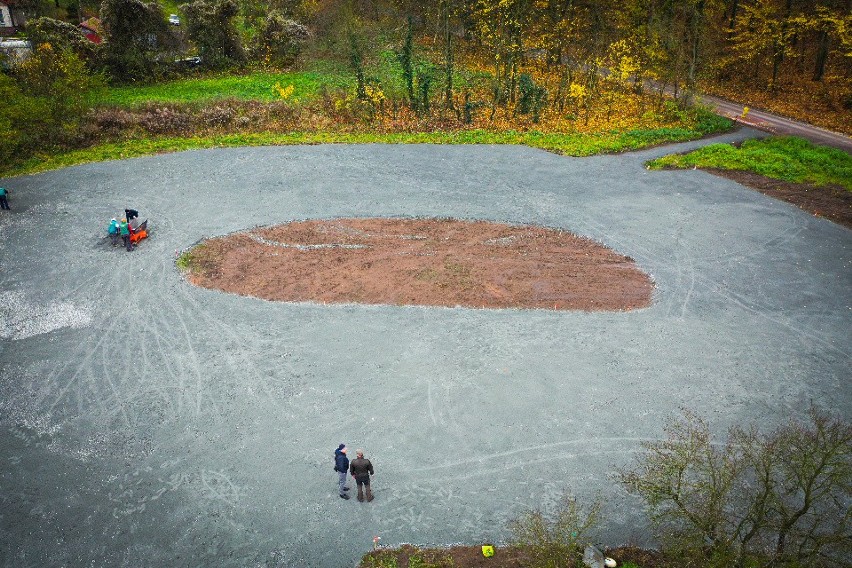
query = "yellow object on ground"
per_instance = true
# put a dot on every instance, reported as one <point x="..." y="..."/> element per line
<point x="487" y="550"/>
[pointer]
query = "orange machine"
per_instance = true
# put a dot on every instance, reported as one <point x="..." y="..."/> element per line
<point x="138" y="230"/>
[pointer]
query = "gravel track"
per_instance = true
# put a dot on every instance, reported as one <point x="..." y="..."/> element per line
<point x="145" y="422"/>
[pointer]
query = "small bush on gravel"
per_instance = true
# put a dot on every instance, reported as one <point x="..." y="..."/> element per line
<point x="556" y="540"/>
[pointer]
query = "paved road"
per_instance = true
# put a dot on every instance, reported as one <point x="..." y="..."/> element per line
<point x="778" y="124"/>
<point x="144" y="422"/>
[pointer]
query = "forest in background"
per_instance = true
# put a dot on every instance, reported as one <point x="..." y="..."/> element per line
<point x="793" y="56"/>
<point x="402" y="66"/>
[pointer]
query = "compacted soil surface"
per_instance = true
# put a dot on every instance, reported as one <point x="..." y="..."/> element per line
<point x="434" y="262"/>
<point x="832" y="202"/>
<point x="409" y="556"/>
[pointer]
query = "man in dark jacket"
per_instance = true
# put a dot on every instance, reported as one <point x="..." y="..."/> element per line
<point x="361" y="469"/>
<point x="341" y="466"/>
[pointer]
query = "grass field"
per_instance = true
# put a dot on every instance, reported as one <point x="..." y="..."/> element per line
<point x="256" y="86"/>
<point x="785" y="158"/>
<point x="567" y="144"/>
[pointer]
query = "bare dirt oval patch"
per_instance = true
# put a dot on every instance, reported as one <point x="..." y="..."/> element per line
<point x="431" y="262"/>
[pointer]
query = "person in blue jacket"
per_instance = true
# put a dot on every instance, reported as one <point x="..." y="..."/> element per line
<point x="113" y="231"/>
<point x="4" y="203"/>
<point x="341" y="466"/>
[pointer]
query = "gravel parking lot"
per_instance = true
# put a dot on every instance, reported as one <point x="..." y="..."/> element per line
<point x="146" y="422"/>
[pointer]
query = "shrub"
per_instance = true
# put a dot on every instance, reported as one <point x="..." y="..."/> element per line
<point x="279" y="40"/>
<point x="781" y="499"/>
<point x="556" y="541"/>
<point x="62" y="36"/>
<point x="532" y="97"/>
<point x="209" y="24"/>
<point x="18" y="117"/>
<point x="218" y="115"/>
<point x="135" y="36"/>
<point x="50" y="97"/>
<point x="708" y="122"/>
<point x="165" y="120"/>
<point x="111" y="120"/>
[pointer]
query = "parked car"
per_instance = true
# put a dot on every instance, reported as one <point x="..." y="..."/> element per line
<point x="187" y="62"/>
<point x="174" y="20"/>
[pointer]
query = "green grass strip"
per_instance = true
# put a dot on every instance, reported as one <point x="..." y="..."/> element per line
<point x="252" y="86"/>
<point x="568" y="144"/>
<point x="784" y="158"/>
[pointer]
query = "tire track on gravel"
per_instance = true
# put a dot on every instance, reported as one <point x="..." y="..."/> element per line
<point x="89" y="351"/>
<point x="716" y="288"/>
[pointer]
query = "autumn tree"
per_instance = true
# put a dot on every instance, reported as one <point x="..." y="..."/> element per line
<point x="279" y="40"/>
<point x="210" y="26"/>
<point x="573" y="36"/>
<point x="501" y="25"/>
<point x="406" y="61"/>
<point x="45" y="101"/>
<point x="448" y="10"/>
<point x="60" y="35"/>
<point x="779" y="499"/>
<point x="135" y="34"/>
<point x="832" y="24"/>
<point x="770" y="39"/>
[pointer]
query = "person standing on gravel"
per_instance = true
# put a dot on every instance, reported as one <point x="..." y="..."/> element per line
<point x="4" y="203"/>
<point x="361" y="469"/>
<point x="113" y="231"/>
<point x="341" y="466"/>
<point x="124" y="229"/>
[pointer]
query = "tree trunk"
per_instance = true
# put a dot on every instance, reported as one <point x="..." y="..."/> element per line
<point x="732" y="22"/>
<point x="696" y="27"/>
<point x="448" y="57"/>
<point x="821" y="57"/>
<point x="776" y="63"/>
<point x="779" y="45"/>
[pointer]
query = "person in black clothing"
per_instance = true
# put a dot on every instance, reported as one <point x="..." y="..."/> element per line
<point x="130" y="214"/>
<point x="361" y="469"/>
<point x="341" y="466"/>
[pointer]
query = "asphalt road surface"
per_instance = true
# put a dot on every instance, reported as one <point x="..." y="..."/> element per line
<point x="778" y="124"/>
<point x="145" y="422"/>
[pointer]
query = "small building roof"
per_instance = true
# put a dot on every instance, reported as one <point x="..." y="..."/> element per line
<point x="93" y="24"/>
